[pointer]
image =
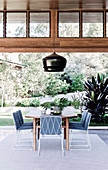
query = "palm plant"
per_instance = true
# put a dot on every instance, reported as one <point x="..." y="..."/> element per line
<point x="96" y="100"/>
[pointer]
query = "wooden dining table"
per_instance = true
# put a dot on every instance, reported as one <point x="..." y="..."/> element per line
<point x="68" y="112"/>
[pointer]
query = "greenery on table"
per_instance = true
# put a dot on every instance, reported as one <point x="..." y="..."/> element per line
<point x="61" y="102"/>
<point x="96" y="100"/>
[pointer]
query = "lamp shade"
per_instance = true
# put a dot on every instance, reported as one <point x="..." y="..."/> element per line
<point x="54" y="63"/>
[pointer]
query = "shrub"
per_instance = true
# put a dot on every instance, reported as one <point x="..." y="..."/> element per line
<point x="29" y="103"/>
<point x="96" y="99"/>
<point x="74" y="81"/>
<point x="47" y="104"/>
<point x="35" y="103"/>
<point x="76" y="104"/>
<point x="55" y="86"/>
<point x="77" y="84"/>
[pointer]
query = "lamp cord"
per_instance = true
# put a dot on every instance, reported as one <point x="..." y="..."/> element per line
<point x="54" y="26"/>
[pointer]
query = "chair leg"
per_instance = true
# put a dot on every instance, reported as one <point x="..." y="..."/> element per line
<point x="64" y="133"/>
<point x="62" y="145"/>
<point x="80" y="143"/>
<point x="88" y="139"/>
<point x="39" y="148"/>
<point x="38" y="132"/>
<point x="21" y="143"/>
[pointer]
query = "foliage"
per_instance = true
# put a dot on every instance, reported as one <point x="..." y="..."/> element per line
<point x="60" y="102"/>
<point x="86" y="63"/>
<point x="96" y="99"/>
<point x="55" y="86"/>
<point x="47" y="104"/>
<point x="34" y="77"/>
<point x="75" y="104"/>
<point x="10" y="81"/>
<point x="29" y="103"/>
<point x="74" y="81"/>
<point x="77" y="100"/>
<point x="63" y="102"/>
<point x="66" y="77"/>
<point x="77" y="84"/>
<point x="35" y="103"/>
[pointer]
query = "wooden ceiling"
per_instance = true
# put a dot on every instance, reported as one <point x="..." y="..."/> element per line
<point x="64" y="44"/>
<point x="48" y="4"/>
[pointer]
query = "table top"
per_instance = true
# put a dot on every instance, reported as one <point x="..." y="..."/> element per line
<point x="67" y="112"/>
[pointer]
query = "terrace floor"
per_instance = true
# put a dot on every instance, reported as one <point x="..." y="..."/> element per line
<point x="51" y="157"/>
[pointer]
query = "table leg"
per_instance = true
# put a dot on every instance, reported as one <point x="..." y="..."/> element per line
<point x="38" y="133"/>
<point x="64" y="128"/>
<point x="34" y="133"/>
<point x="67" y="133"/>
<point x="64" y="133"/>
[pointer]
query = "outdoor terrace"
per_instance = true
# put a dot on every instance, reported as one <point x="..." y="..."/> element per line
<point x="29" y="31"/>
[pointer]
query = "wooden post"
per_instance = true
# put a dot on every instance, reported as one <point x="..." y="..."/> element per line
<point x="67" y="133"/>
<point x="34" y="133"/>
<point x="104" y="24"/>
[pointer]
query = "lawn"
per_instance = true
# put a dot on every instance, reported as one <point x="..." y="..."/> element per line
<point x="10" y="122"/>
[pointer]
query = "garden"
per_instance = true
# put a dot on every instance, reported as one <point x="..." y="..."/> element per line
<point x="82" y="86"/>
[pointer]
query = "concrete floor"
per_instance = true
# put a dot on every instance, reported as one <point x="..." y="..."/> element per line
<point x="103" y="134"/>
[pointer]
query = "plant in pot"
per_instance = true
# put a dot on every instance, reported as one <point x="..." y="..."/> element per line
<point x="60" y="103"/>
<point x="96" y="99"/>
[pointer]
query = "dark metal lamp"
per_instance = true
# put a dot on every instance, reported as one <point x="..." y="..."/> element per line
<point x="54" y="62"/>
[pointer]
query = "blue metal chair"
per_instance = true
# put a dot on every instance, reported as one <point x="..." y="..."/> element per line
<point x="22" y="120"/>
<point x="50" y="125"/>
<point x="81" y="123"/>
<point x="21" y="127"/>
<point x="82" y="129"/>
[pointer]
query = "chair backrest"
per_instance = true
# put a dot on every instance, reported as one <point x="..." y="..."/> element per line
<point x="20" y="116"/>
<point x="83" y="118"/>
<point x="87" y="121"/>
<point x="50" y="125"/>
<point x="17" y="120"/>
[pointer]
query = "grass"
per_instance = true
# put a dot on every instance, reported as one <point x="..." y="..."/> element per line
<point x="10" y="122"/>
<point x="98" y="124"/>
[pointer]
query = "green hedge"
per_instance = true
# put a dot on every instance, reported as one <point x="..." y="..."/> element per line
<point x="29" y="103"/>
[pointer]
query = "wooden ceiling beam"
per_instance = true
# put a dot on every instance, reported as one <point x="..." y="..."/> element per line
<point x="54" y="4"/>
<point x="80" y="4"/>
<point x="28" y="4"/>
<point x="5" y="5"/>
<point x="104" y="4"/>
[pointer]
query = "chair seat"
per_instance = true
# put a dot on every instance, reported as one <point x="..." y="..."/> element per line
<point x="28" y="124"/>
<point x="75" y="124"/>
<point x="23" y="127"/>
<point x="76" y="127"/>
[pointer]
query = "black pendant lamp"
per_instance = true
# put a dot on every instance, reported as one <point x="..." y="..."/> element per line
<point x="54" y="62"/>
